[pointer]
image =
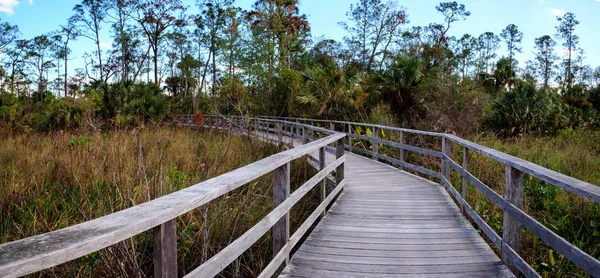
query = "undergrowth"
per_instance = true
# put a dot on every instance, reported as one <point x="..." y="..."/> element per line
<point x="56" y="180"/>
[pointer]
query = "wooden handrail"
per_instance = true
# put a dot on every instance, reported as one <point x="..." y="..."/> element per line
<point x="47" y="250"/>
<point x="511" y="203"/>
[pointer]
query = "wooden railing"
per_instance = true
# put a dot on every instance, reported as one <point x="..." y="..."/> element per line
<point x="44" y="251"/>
<point x="511" y="203"/>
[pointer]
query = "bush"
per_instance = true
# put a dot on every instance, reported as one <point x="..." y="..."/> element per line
<point x="526" y="109"/>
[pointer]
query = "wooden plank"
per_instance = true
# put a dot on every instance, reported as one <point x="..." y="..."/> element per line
<point x="457" y="267"/>
<point x="281" y="191"/>
<point x="323" y="182"/>
<point x="307" y="272"/>
<point x="447" y="151"/>
<point x="511" y="229"/>
<point x="465" y="165"/>
<point x="381" y="261"/>
<point x="165" y="250"/>
<point x="339" y="152"/>
<point x="401" y="150"/>
<point x="375" y="143"/>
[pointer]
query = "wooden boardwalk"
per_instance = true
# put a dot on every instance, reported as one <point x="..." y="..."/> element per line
<point x="389" y="223"/>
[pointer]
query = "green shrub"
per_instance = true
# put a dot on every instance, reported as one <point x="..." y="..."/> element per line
<point x="526" y="109"/>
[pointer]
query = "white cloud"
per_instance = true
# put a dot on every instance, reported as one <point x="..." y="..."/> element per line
<point x="7" y="6"/>
<point x="559" y="12"/>
<point x="30" y="2"/>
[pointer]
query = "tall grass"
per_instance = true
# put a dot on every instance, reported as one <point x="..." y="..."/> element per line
<point x="52" y="181"/>
<point x="575" y="153"/>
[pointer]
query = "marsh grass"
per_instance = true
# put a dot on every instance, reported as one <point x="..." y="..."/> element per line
<point x="55" y="180"/>
<point x="575" y="153"/>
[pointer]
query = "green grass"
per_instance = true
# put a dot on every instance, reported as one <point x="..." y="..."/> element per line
<point x="52" y="181"/>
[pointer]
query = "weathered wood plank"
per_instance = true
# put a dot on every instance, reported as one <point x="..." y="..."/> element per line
<point x="511" y="229"/>
<point x="281" y="191"/>
<point x="165" y="250"/>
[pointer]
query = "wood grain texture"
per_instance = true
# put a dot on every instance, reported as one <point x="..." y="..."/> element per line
<point x="511" y="229"/>
<point x="389" y="222"/>
<point x="281" y="191"/>
<point x="165" y="250"/>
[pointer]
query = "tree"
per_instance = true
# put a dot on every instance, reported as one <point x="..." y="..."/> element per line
<point x="398" y="84"/>
<point x="155" y="19"/>
<point x="90" y="15"/>
<point x="126" y="39"/>
<point x="16" y="55"/>
<point x="8" y="33"/>
<point x="488" y="45"/>
<point x="39" y="58"/>
<point x="212" y="24"/>
<point x="545" y="58"/>
<point x="513" y="38"/>
<point x="331" y="88"/>
<point x="282" y="22"/>
<point x="452" y="12"/>
<point x="465" y="53"/>
<point x="374" y="25"/>
<point x="503" y="75"/>
<point x="68" y="32"/>
<point x="566" y="32"/>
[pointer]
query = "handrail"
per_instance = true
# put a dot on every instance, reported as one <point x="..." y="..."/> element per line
<point x="47" y="250"/>
<point x="512" y="203"/>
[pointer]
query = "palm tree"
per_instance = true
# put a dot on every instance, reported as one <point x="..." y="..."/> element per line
<point x="331" y="87"/>
<point x="397" y="85"/>
<point x="503" y="75"/>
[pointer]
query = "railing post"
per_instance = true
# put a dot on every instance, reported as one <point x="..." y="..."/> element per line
<point x="339" y="171"/>
<point x="279" y="135"/>
<point x="323" y="182"/>
<point x="305" y="135"/>
<point x="165" y="249"/>
<point x="349" y="133"/>
<point x="465" y="165"/>
<point x="511" y="232"/>
<point x="447" y="150"/>
<point x="375" y="144"/>
<point x="331" y="126"/>
<point x="281" y="191"/>
<point x="401" y="150"/>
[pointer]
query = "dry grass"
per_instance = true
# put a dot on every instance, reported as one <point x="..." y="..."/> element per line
<point x="52" y="181"/>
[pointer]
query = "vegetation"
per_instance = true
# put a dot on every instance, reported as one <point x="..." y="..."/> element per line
<point x="165" y="61"/>
<point x="57" y="180"/>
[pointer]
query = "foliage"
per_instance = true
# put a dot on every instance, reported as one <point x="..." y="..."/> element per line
<point x="526" y="109"/>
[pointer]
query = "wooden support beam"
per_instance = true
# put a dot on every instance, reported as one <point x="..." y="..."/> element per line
<point x="349" y="132"/>
<point x="511" y="232"/>
<point x="332" y="126"/>
<point x="322" y="154"/>
<point x="339" y="152"/>
<point x="401" y="150"/>
<point x="281" y="191"/>
<point x="165" y="250"/>
<point x="447" y="150"/>
<point x="305" y="135"/>
<point x="375" y="143"/>
<point x="279" y="136"/>
<point x="465" y="165"/>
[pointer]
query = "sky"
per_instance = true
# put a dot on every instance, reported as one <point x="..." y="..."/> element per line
<point x="534" y="18"/>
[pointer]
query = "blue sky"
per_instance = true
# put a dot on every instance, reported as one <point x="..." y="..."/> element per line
<point x="533" y="17"/>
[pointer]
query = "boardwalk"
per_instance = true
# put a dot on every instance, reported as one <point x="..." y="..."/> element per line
<point x="389" y="223"/>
